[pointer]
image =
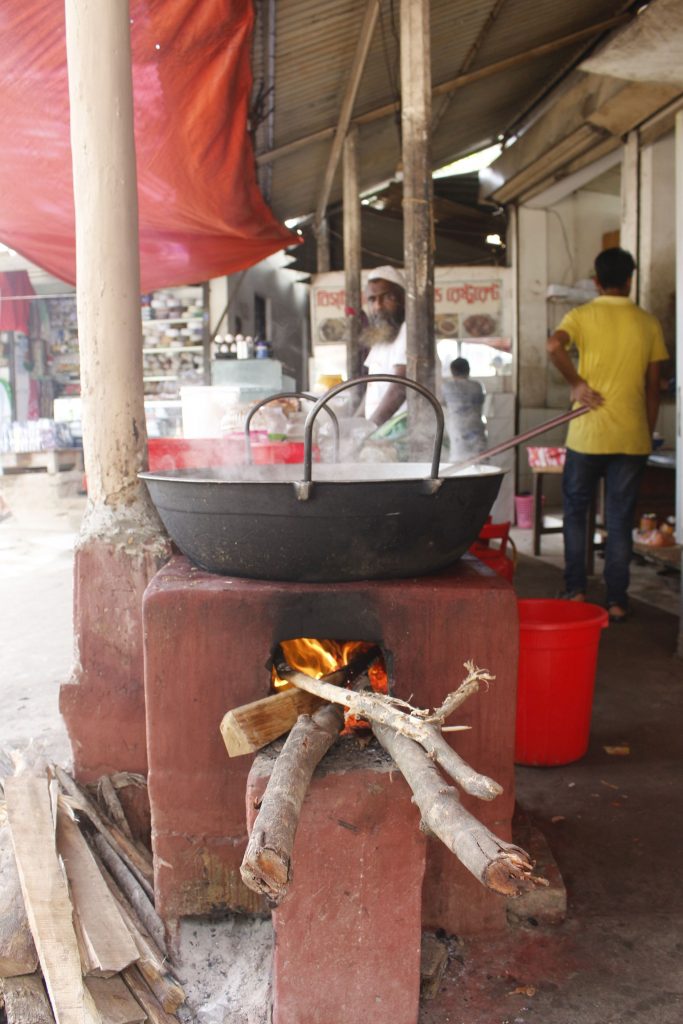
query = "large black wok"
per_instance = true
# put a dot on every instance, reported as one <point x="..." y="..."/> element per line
<point x="335" y="523"/>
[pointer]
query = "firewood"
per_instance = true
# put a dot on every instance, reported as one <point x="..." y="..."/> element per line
<point x="266" y="866"/>
<point x="133" y="891"/>
<point x="152" y="963"/>
<point x="150" y="1004"/>
<point x="251" y="726"/>
<point x="26" y="1000"/>
<point x="109" y="797"/>
<point x="499" y="866"/>
<point x="108" y="942"/>
<point x="139" y="864"/>
<point x="17" y="950"/>
<point x="377" y="708"/>
<point x="46" y="898"/>
<point x="114" y="1001"/>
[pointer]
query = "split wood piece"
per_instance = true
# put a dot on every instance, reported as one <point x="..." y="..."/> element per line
<point x="17" y="949"/>
<point x="108" y="796"/>
<point x="499" y="866"/>
<point x="114" y="1001"/>
<point x="378" y="710"/>
<point x="252" y="726"/>
<point x="108" y="942"/>
<point x="152" y="963"/>
<point x="46" y="898"/>
<point x="138" y="863"/>
<point x="26" y="1000"/>
<point x="150" y="1004"/>
<point x="266" y="867"/>
<point x="133" y="891"/>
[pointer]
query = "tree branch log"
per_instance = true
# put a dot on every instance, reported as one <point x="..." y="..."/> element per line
<point x="499" y="866"/>
<point x="378" y="710"/>
<point x="266" y="866"/>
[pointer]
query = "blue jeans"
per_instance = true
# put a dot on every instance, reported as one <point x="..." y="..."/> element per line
<point x="622" y="475"/>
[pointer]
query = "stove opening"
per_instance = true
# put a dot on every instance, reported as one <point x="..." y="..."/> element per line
<point x="364" y="664"/>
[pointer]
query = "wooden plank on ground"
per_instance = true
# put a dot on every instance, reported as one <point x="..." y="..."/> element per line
<point x="114" y="1001"/>
<point x="251" y="726"/>
<point x="26" y="1000"/>
<point x="17" y="950"/>
<point x="107" y="939"/>
<point x="46" y="898"/>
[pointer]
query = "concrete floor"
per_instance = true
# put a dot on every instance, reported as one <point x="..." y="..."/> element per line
<point x="616" y="836"/>
<point x="616" y="833"/>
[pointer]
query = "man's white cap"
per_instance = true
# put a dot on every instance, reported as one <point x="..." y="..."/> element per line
<point x="388" y="273"/>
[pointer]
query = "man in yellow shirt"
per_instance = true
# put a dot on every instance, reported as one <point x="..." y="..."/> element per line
<point x="620" y="348"/>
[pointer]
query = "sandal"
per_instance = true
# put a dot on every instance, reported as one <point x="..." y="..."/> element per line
<point x="617" y="614"/>
<point x="572" y="595"/>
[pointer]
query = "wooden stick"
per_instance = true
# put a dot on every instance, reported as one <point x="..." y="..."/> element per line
<point x="499" y="866"/>
<point x="139" y="864"/>
<point x="17" y="949"/>
<point x="152" y="963"/>
<point x="109" y="798"/>
<point x="134" y="892"/>
<point x="150" y="1004"/>
<point x="266" y="867"/>
<point x="26" y="1000"/>
<point x="252" y="726"/>
<point x="378" y="710"/>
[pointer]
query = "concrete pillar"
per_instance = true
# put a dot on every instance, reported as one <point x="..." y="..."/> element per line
<point x="532" y="316"/>
<point x="122" y="543"/>
<point x="657" y="234"/>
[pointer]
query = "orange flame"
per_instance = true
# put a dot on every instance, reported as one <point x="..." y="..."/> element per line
<point x="317" y="658"/>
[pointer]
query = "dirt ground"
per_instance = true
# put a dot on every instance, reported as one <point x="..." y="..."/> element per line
<point x="613" y="823"/>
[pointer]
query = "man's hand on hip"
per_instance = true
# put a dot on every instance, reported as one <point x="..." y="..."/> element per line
<point x="582" y="393"/>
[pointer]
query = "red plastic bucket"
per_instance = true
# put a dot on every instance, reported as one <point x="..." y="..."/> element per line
<point x="558" y="653"/>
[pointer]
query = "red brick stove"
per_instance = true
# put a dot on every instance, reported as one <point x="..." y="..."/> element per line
<point x="207" y="641"/>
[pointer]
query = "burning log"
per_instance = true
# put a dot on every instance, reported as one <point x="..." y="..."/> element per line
<point x="499" y="866"/>
<point x="418" y="725"/>
<point x="266" y="866"/>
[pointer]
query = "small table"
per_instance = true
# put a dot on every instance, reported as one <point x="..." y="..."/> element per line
<point x="53" y="460"/>
<point x="538" y="473"/>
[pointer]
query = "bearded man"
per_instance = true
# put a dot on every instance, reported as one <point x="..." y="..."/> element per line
<point x="385" y="337"/>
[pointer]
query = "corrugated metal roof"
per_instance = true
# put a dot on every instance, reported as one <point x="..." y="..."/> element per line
<point x="314" y="49"/>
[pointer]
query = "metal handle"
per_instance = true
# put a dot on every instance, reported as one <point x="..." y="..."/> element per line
<point x="518" y="439"/>
<point x="287" y="394"/>
<point x="390" y="378"/>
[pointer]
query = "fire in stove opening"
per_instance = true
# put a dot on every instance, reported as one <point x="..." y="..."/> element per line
<point x="343" y="662"/>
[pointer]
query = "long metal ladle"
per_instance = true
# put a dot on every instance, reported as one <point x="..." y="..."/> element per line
<point x="514" y="441"/>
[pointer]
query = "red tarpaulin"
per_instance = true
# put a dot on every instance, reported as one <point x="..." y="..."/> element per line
<point x="201" y="213"/>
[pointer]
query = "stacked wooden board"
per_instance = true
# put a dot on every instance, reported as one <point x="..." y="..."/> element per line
<point x="80" y="940"/>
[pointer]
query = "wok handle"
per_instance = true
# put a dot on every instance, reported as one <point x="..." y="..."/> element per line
<point x="390" y="378"/>
<point x="286" y="394"/>
<point x="518" y="439"/>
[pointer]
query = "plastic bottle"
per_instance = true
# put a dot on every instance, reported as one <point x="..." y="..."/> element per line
<point x="262" y="349"/>
<point x="241" y="345"/>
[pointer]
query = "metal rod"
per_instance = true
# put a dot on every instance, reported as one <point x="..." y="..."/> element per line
<point x="518" y="439"/>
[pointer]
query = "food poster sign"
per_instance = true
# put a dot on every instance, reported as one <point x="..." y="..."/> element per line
<point x="470" y="304"/>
